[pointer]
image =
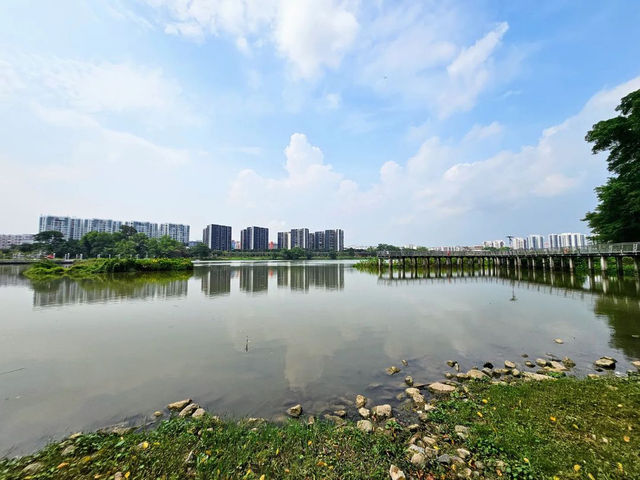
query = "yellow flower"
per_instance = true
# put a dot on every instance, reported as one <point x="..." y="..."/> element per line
<point x="479" y="414"/>
<point x="553" y="419"/>
<point x="526" y="460"/>
<point x="576" y="468"/>
<point x="127" y="475"/>
<point x="484" y="400"/>
<point x="626" y="438"/>
<point x="309" y="443"/>
<point x="144" y="445"/>
<point x="620" y="467"/>
<point x="591" y="477"/>
<point x="277" y="451"/>
<point x="575" y="426"/>
<point x="262" y="477"/>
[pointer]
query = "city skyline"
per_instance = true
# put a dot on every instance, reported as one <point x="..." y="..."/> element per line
<point x="408" y="122"/>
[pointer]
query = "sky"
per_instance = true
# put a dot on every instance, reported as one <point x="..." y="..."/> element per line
<point x="406" y="122"/>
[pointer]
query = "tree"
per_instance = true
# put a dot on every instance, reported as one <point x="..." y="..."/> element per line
<point x="200" y="250"/>
<point x="127" y="231"/>
<point x="617" y="215"/>
<point x="50" y="241"/>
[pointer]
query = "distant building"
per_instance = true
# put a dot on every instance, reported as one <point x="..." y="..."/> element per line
<point x="318" y="241"/>
<point x="518" y="243"/>
<point x="554" y="240"/>
<point x="75" y="228"/>
<point x="300" y="238"/>
<point x="572" y="240"/>
<point x="284" y="240"/>
<point x="8" y="241"/>
<point x="536" y="242"/>
<point x="217" y="237"/>
<point x="493" y="243"/>
<point x="254" y="238"/>
<point x="272" y="246"/>
<point x="334" y="240"/>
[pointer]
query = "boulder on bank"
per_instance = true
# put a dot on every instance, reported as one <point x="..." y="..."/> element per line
<point x="396" y="474"/>
<point x="361" y="401"/>
<point x="365" y="425"/>
<point x="188" y="410"/>
<point x="441" y="388"/>
<point x="605" y="362"/>
<point x="295" y="411"/>
<point x="475" y="374"/>
<point x="381" y="411"/>
<point x="179" y="405"/>
<point x="392" y="370"/>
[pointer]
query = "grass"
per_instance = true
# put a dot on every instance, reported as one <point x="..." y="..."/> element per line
<point x="563" y="429"/>
<point x="89" y="268"/>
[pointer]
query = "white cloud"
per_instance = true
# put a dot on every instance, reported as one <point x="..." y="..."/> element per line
<point x="332" y="101"/>
<point x="480" y="132"/>
<point x="310" y="34"/>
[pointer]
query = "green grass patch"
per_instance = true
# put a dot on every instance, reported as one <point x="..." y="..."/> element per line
<point x="88" y="268"/>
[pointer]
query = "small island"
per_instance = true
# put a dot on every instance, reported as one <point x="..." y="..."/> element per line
<point x="47" y="269"/>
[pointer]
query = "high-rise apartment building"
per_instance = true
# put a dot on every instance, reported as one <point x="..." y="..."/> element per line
<point x="536" y="242"/>
<point x="300" y="238"/>
<point x="254" y="238"/>
<point x="318" y="243"/>
<point x="334" y="240"/>
<point x="7" y="241"/>
<point x="554" y="240"/>
<point x="75" y="228"/>
<point x="217" y="237"/>
<point x="284" y="240"/>
<point x="518" y="243"/>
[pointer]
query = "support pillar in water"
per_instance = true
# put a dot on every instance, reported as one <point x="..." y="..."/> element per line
<point x="603" y="265"/>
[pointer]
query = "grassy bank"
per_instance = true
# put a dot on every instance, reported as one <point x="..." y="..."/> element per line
<point x="99" y="266"/>
<point x="562" y="429"/>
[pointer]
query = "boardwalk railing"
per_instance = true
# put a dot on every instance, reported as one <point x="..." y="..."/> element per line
<point x="612" y="249"/>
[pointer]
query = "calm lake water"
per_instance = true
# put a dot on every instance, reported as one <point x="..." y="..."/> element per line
<point x="250" y="339"/>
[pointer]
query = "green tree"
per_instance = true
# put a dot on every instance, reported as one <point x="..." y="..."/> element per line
<point x="127" y="231"/>
<point x="50" y="241"/>
<point x="200" y="250"/>
<point x="617" y="215"/>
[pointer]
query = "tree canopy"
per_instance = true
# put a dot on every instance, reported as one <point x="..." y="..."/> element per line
<point x="617" y="215"/>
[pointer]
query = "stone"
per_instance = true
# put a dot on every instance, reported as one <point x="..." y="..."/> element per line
<point x="340" y="413"/>
<point x="525" y="355"/>
<point x="462" y="431"/>
<point x="68" y="451"/>
<point x="451" y="363"/>
<point x="335" y="419"/>
<point x="448" y="375"/>
<point x="476" y="374"/>
<point x="361" y="401"/>
<point x="593" y="376"/>
<point x="311" y="420"/>
<point x="199" y="413"/>
<point x="179" y="405"/>
<point x="462" y="453"/>
<point x="392" y="370"/>
<point x="396" y="474"/>
<point x="509" y="364"/>
<point x="415" y="449"/>
<point x="462" y="376"/>
<point x="567" y="362"/>
<point x="536" y="376"/>
<point x="75" y="436"/>
<point x="444" y="459"/>
<point x="441" y="388"/>
<point x="418" y="460"/>
<point x="488" y="365"/>
<point x="636" y="363"/>
<point x="488" y="372"/>
<point x="295" y="411"/>
<point x="529" y="364"/>
<point x="157" y="413"/>
<point x="431" y="441"/>
<point x="515" y="372"/>
<point x="33" y="468"/>
<point x="404" y="362"/>
<point x="465" y="473"/>
<point x="118" y="476"/>
<point x="408" y="380"/>
<point x="414" y="427"/>
<point x="365" y="425"/>
<point x="364" y="412"/>
<point x="558" y="340"/>
<point x="188" y="410"/>
<point x="541" y="362"/>
<point x="605" y="362"/>
<point x="381" y="411"/>
<point x="415" y="395"/>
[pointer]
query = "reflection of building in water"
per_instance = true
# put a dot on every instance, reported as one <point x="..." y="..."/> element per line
<point x="303" y="277"/>
<point x="254" y="278"/>
<point x="217" y="281"/>
<point x="66" y="291"/>
<point x="11" y="276"/>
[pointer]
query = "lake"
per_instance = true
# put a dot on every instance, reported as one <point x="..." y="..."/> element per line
<point x="252" y="338"/>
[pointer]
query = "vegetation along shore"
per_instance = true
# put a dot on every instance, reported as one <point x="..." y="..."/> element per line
<point x="486" y="423"/>
<point x="100" y="266"/>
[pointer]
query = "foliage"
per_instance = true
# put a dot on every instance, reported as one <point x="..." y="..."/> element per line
<point x="617" y="215"/>
<point x="89" y="268"/>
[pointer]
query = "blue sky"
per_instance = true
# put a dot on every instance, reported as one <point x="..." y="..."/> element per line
<point x="433" y="123"/>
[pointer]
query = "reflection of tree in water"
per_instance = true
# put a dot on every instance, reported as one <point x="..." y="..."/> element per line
<point x="623" y="315"/>
<point x="11" y="275"/>
<point x="254" y="278"/>
<point x="62" y="291"/>
<point x="303" y="277"/>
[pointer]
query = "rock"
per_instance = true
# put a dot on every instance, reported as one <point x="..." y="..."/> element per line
<point x="404" y="362"/>
<point x="476" y="374"/>
<point x="556" y="367"/>
<point x="335" y="419"/>
<point x="448" y="375"/>
<point x="199" y="413"/>
<point x="361" y="401"/>
<point x="418" y="459"/>
<point x="392" y="370"/>
<point x="118" y="476"/>
<point x="431" y="441"/>
<point x="465" y="473"/>
<point x="515" y="372"/>
<point x="75" y="436"/>
<point x="558" y="340"/>
<point x="179" y="405"/>
<point x="593" y="376"/>
<point x="33" y="468"/>
<point x="157" y="413"/>
<point x="396" y="474"/>
<point x="488" y="365"/>
<point x="441" y="388"/>
<point x="364" y="412"/>
<point x="541" y="362"/>
<point x="636" y="363"/>
<point x="444" y="459"/>
<point x="525" y="355"/>
<point x="605" y="362"/>
<point x="68" y="451"/>
<point x="381" y="411"/>
<point x="535" y="376"/>
<point x="365" y="425"/>
<point x="414" y="427"/>
<point x="567" y="362"/>
<point x="529" y="364"/>
<point x="462" y="431"/>
<point x="452" y="363"/>
<point x="462" y="376"/>
<point x="509" y="364"/>
<point x="340" y="413"/>
<point x="488" y="372"/>
<point x="415" y="395"/>
<point x="188" y="410"/>
<point x="295" y="411"/>
<point x="462" y="453"/>
<point x="415" y="449"/>
<point x="408" y="380"/>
